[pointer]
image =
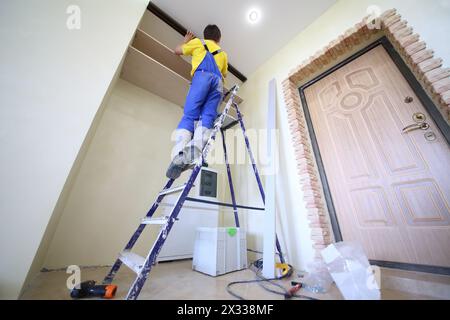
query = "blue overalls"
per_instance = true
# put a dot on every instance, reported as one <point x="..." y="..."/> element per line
<point x="205" y="94"/>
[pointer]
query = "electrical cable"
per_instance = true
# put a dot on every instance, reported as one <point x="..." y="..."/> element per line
<point x="285" y="292"/>
<point x="261" y="280"/>
<point x="259" y="252"/>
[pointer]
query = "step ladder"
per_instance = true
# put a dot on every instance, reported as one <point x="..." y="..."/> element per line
<point x="142" y="266"/>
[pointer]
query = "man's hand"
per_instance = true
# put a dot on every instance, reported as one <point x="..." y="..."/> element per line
<point x="189" y="36"/>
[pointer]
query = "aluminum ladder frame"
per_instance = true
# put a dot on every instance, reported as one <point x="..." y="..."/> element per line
<point x="142" y="266"/>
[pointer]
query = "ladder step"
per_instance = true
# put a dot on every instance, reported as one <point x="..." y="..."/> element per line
<point x="132" y="260"/>
<point x="136" y="262"/>
<point x="228" y="120"/>
<point x="158" y="220"/>
<point x="172" y="190"/>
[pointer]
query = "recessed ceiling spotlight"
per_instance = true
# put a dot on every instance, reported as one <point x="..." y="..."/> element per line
<point x="253" y="16"/>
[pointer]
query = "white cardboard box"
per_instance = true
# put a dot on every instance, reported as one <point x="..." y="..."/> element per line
<point x="219" y="251"/>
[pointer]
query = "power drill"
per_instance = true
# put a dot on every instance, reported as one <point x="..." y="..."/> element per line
<point x="88" y="289"/>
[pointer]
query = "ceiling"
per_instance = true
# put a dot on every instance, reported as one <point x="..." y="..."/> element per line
<point x="248" y="45"/>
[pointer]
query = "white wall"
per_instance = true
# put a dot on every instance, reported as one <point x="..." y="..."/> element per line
<point x="52" y="82"/>
<point x="121" y="173"/>
<point x="431" y="19"/>
<point x="119" y="178"/>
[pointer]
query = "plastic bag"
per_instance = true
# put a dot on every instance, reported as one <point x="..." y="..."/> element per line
<point x="350" y="269"/>
<point x="318" y="279"/>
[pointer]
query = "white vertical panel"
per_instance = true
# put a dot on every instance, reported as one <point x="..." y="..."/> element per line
<point x="269" y="217"/>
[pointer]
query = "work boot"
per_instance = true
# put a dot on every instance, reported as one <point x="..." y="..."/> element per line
<point x="176" y="167"/>
<point x="185" y="160"/>
<point x="189" y="155"/>
<point x="178" y="164"/>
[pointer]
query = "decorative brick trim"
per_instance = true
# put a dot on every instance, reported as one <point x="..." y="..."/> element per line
<point x="427" y="69"/>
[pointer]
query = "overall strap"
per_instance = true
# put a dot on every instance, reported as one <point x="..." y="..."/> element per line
<point x="207" y="49"/>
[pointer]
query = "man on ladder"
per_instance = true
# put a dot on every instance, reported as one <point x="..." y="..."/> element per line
<point x="209" y="68"/>
<point x="203" y="100"/>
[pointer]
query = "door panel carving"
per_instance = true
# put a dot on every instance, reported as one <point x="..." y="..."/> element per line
<point x="390" y="189"/>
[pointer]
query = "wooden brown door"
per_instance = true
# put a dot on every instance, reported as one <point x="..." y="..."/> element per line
<point x="390" y="190"/>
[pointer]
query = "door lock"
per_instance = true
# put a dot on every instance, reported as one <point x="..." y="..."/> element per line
<point x="409" y="99"/>
<point x="417" y="126"/>
<point x="430" y="136"/>
<point x="419" y="117"/>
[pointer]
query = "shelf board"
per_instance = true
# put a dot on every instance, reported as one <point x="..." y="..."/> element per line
<point x="148" y="74"/>
<point x="157" y="51"/>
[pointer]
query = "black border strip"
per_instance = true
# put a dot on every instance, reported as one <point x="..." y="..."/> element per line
<point x="231" y="125"/>
<point x="412" y="267"/>
<point x="182" y="30"/>
<point x="429" y="106"/>
<point x="222" y="204"/>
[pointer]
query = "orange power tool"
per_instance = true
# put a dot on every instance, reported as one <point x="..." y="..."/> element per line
<point x="88" y="289"/>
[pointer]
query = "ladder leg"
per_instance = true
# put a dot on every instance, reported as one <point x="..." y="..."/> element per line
<point x="250" y="153"/>
<point x="255" y="170"/>
<point x="150" y="260"/>
<point x="230" y="181"/>
<point x="139" y="282"/>
<point x="115" y="268"/>
<point x="112" y="273"/>
<point x="277" y="243"/>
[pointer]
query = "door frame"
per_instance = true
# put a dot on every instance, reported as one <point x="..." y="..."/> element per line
<point x="428" y="104"/>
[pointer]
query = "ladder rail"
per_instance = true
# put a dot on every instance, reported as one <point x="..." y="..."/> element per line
<point x="230" y="180"/>
<point x="118" y="263"/>
<point x="255" y="170"/>
<point x="150" y="260"/>
<point x="250" y="153"/>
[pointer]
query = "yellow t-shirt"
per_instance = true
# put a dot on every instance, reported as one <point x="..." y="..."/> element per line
<point x="195" y="49"/>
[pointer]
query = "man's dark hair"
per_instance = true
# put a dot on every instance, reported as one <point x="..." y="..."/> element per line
<point x="212" y="32"/>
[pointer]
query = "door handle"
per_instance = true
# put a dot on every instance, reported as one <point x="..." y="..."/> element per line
<point x="417" y="126"/>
